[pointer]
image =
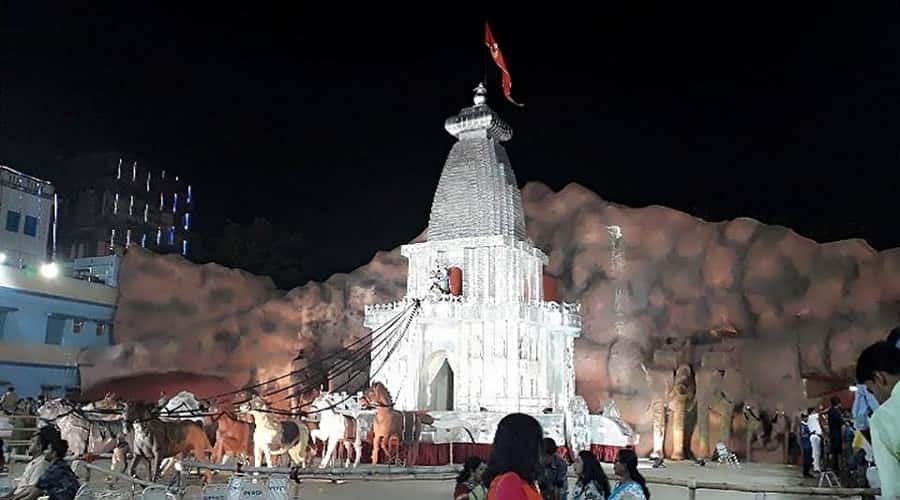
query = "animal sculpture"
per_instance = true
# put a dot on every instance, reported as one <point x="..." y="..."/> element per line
<point x="91" y="429"/>
<point x="233" y="437"/>
<point x="273" y="437"/>
<point x="155" y="440"/>
<point x="336" y="428"/>
<point x="392" y="427"/>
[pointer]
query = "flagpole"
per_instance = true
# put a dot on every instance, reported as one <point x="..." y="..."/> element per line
<point x="485" y="55"/>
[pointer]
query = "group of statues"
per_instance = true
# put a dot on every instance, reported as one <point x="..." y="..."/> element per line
<point x="684" y="402"/>
<point x="250" y="430"/>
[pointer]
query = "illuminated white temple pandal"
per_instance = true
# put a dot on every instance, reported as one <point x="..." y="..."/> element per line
<point x="485" y="342"/>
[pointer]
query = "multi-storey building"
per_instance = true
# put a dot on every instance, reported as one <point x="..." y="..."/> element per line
<point x="45" y="318"/>
<point x="111" y="201"/>
<point x="26" y="210"/>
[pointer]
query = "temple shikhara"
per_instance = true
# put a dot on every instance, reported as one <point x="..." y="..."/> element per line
<point x="486" y="342"/>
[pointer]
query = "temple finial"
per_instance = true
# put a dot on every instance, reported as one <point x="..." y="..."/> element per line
<point x="480" y="94"/>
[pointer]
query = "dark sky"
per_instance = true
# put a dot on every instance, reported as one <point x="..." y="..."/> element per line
<point x="331" y="120"/>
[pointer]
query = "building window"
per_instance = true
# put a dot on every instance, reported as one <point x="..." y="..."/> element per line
<point x="184" y="247"/>
<point x="172" y="235"/>
<point x="174" y="203"/>
<point x="55" y="328"/>
<point x="77" y="324"/>
<point x="187" y="222"/>
<point x="119" y="170"/>
<point x="116" y="204"/>
<point x="131" y="205"/>
<point x="162" y="201"/>
<point x="189" y="196"/>
<point x="30" y="225"/>
<point x="148" y="181"/>
<point x="2" y="321"/>
<point x="12" y="221"/>
<point x="144" y="240"/>
<point x="101" y="329"/>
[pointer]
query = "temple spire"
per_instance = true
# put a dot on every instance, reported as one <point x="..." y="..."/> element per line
<point x="480" y="94"/>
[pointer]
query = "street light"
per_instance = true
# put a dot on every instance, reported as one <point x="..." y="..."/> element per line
<point x="49" y="270"/>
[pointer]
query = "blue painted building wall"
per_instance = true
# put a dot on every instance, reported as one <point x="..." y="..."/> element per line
<point x="43" y="326"/>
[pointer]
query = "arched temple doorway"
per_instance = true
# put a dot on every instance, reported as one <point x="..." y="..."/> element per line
<point x="440" y="383"/>
<point x="442" y="388"/>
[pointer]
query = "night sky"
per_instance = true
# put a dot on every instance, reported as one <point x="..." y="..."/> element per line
<point x="331" y="121"/>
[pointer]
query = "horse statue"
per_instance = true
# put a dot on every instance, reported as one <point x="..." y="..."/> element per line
<point x="182" y="406"/>
<point x="155" y="440"/>
<point x="391" y="427"/>
<point x="88" y="430"/>
<point x="335" y="427"/>
<point x="273" y="437"/>
<point x="233" y="437"/>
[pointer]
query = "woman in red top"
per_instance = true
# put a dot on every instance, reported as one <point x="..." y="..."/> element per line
<point x="513" y="467"/>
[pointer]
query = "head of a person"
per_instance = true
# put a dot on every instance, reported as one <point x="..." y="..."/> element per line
<point x="836" y="402"/>
<point x="588" y="469"/>
<point x="516" y="448"/>
<point x="473" y="469"/>
<point x="57" y="450"/>
<point x="626" y="467"/>
<point x="878" y="366"/>
<point x="548" y="450"/>
<point x="810" y="411"/>
<point x="42" y="440"/>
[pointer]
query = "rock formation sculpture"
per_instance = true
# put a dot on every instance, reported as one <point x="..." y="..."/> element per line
<point x="786" y="316"/>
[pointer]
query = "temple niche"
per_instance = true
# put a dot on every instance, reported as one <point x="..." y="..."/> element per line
<point x="768" y="316"/>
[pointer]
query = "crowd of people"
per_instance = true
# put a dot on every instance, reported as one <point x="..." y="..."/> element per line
<point x="863" y="440"/>
<point x="524" y="465"/>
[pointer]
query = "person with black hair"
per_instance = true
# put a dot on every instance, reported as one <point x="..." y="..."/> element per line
<point x="468" y="483"/>
<point x="836" y="432"/>
<point x="878" y="367"/>
<point x="58" y="482"/>
<point x="592" y="483"/>
<point x="514" y="463"/>
<point x="631" y="485"/>
<point x="38" y="464"/>
<point x="553" y="482"/>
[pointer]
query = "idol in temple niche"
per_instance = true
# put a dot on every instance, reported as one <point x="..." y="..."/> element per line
<point x="440" y="280"/>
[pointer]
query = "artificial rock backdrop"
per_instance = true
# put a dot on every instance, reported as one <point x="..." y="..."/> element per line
<point x="770" y="307"/>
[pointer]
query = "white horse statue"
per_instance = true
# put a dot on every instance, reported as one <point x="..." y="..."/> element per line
<point x="182" y="406"/>
<point x="336" y="425"/>
<point x="273" y="437"/>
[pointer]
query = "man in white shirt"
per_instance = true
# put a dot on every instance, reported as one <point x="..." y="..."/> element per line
<point x="9" y="401"/>
<point x="815" y="438"/>
<point x="37" y="466"/>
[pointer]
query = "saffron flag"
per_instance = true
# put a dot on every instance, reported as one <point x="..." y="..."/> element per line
<point x="498" y="60"/>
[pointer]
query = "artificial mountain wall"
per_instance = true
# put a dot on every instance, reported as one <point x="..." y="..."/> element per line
<point x="770" y="307"/>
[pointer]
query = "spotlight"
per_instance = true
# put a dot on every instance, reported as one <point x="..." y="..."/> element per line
<point x="49" y="270"/>
<point x="852" y="388"/>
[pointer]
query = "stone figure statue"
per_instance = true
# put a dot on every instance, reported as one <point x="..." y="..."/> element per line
<point x="781" y="429"/>
<point x="673" y="397"/>
<point x="723" y="406"/>
<point x="681" y="402"/>
<point x="754" y="426"/>
<point x="660" y="385"/>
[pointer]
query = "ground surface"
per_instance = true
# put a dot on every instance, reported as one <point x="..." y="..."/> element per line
<point x="755" y="474"/>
